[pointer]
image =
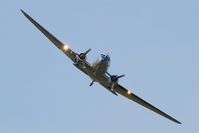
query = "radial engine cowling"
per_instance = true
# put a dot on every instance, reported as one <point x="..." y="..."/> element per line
<point x="114" y="78"/>
<point x="113" y="81"/>
<point x="81" y="57"/>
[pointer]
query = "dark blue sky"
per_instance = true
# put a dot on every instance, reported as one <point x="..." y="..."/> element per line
<point x="155" y="43"/>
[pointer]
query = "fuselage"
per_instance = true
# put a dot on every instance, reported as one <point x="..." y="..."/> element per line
<point x="98" y="70"/>
<point x="101" y="64"/>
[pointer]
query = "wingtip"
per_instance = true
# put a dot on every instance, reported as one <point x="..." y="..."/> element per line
<point x="178" y="122"/>
<point x="23" y="11"/>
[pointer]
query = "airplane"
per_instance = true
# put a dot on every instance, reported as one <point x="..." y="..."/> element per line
<point x="97" y="71"/>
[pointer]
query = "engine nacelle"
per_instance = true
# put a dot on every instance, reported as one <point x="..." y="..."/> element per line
<point x="113" y="81"/>
<point x="81" y="57"/>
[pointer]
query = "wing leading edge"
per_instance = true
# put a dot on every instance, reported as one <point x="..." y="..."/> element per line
<point x="72" y="55"/>
<point x="121" y="90"/>
<point x="65" y="49"/>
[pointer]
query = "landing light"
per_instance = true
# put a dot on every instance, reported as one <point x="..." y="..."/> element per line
<point x="129" y="92"/>
<point x="65" y="47"/>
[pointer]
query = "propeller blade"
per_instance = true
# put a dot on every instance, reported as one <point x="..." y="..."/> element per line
<point x="121" y="76"/>
<point x="108" y="74"/>
<point x="87" y="51"/>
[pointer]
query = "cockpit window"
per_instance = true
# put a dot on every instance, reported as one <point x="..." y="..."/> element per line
<point x="103" y="55"/>
<point x="104" y="58"/>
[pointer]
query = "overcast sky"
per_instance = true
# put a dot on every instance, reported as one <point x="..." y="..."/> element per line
<point x="155" y="43"/>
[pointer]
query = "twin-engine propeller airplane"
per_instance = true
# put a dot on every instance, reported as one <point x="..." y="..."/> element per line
<point x="98" y="70"/>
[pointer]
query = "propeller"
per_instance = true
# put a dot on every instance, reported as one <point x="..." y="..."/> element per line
<point x="87" y="51"/>
<point x="114" y="78"/>
<point x="82" y="56"/>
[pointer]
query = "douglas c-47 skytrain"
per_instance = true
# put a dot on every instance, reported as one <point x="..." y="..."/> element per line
<point x="98" y="70"/>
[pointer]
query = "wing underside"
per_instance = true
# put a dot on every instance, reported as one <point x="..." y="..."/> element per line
<point x="121" y="90"/>
<point x="71" y="54"/>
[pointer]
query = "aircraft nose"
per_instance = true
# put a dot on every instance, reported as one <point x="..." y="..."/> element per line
<point x="104" y="58"/>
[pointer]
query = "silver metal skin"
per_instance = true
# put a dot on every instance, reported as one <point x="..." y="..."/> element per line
<point x="98" y="71"/>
